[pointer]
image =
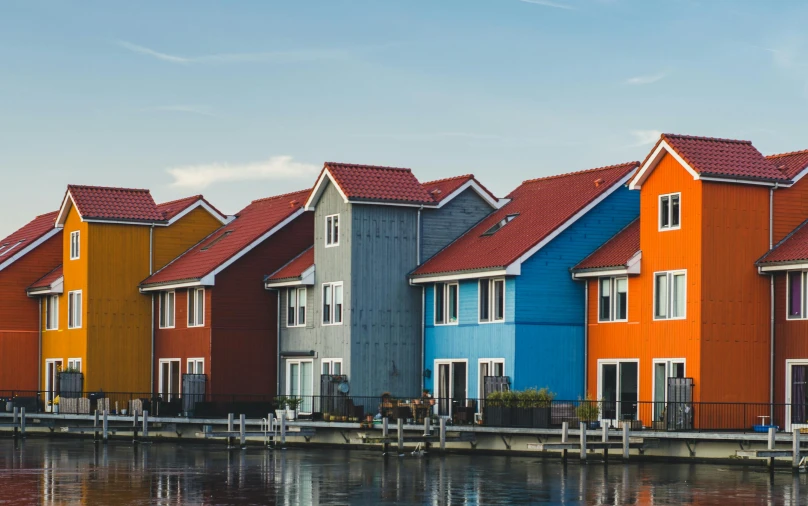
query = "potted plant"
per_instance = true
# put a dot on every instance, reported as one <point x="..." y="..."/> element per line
<point x="533" y="408"/>
<point x="56" y="405"/>
<point x="292" y="405"/>
<point x="498" y="409"/>
<point x="588" y="411"/>
<point x="280" y="410"/>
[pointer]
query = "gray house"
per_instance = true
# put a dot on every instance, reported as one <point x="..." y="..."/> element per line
<point x="347" y="307"/>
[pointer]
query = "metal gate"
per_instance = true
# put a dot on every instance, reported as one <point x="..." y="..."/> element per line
<point x="193" y="391"/>
<point x="679" y="412"/>
<point x="332" y="401"/>
<point x="71" y="385"/>
<point x="493" y="384"/>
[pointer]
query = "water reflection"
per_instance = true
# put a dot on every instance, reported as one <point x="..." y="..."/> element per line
<point x="78" y="472"/>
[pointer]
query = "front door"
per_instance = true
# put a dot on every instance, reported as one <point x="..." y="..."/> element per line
<point x="451" y="389"/>
<point x="664" y="369"/>
<point x="52" y="369"/>
<point x="618" y="390"/>
<point x="169" y="378"/>
<point x="796" y="394"/>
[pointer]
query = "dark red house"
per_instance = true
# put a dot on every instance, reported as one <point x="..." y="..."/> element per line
<point x="212" y="313"/>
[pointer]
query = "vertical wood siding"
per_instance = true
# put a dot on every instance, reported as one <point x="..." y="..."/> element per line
<point x="440" y="227"/>
<point x="171" y="242"/>
<point x="791" y="337"/>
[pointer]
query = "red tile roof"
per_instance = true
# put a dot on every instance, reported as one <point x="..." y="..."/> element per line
<point x="793" y="248"/>
<point x="48" y="279"/>
<point x="28" y="234"/>
<point x="442" y="188"/>
<point x="722" y="157"/>
<point x="790" y="164"/>
<point x="115" y="204"/>
<point x="541" y="206"/>
<point x="616" y="252"/>
<point x="295" y="268"/>
<point x="374" y="183"/>
<point x="251" y="223"/>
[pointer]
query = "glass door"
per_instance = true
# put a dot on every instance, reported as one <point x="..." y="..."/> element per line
<point x="299" y="382"/>
<point x="618" y="390"/>
<point x="664" y="369"/>
<point x="451" y="388"/>
<point x="52" y="369"/>
<point x="798" y="398"/>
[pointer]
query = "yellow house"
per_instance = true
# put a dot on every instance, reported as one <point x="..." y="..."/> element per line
<point x="94" y="319"/>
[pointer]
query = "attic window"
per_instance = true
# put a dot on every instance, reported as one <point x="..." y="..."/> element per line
<point x="213" y="242"/>
<point x="4" y="249"/>
<point x="501" y="223"/>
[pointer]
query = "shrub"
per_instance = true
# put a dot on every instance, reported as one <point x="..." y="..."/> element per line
<point x="588" y="409"/>
<point x="536" y="398"/>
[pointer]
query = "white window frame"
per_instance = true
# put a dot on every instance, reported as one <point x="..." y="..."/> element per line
<point x="52" y="312"/>
<point x="333" y="306"/>
<point x="790" y="362"/>
<point x="74" y="315"/>
<point x="163" y="319"/>
<point x="289" y="381"/>
<point x="160" y="378"/>
<point x="491" y="300"/>
<point x="670" y="212"/>
<point x="74" y="363"/>
<point x="332" y="228"/>
<point x="296" y="309"/>
<point x="191" y="363"/>
<point x="803" y="290"/>
<point x="436" y="383"/>
<point x="330" y="362"/>
<point x="617" y="362"/>
<point x="612" y="299"/>
<point x="199" y="316"/>
<point x="670" y="276"/>
<point x="75" y="245"/>
<point x="668" y="363"/>
<point x="445" y="303"/>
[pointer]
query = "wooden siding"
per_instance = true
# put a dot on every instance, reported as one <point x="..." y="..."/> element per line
<point x="790" y="208"/>
<point x="118" y="316"/>
<point x="734" y="298"/>
<point x="642" y="337"/>
<point x="170" y="242"/>
<point x="182" y="342"/>
<point x="244" y="325"/>
<point x="67" y="343"/>
<point x="440" y="227"/>
<point x="791" y="337"/>
<point x="19" y="354"/>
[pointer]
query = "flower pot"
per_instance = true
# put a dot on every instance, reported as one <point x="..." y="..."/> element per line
<point x="291" y="414"/>
<point x="123" y="412"/>
<point x="9" y="406"/>
<point x="280" y="413"/>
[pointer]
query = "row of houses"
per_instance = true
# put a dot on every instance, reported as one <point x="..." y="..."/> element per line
<point x="606" y="283"/>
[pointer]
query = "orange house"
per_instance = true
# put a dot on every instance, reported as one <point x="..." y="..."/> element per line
<point x="94" y="319"/>
<point x="677" y="294"/>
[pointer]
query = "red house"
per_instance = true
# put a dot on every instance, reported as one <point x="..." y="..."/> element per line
<point x="212" y="314"/>
<point x="25" y="256"/>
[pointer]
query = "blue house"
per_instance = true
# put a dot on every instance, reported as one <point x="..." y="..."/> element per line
<point x="500" y="301"/>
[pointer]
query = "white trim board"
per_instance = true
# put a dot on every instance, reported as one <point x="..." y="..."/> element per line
<point x="801" y="266"/>
<point x="441" y="278"/>
<point x="474" y="185"/>
<point x="307" y="279"/>
<point x="632" y="268"/>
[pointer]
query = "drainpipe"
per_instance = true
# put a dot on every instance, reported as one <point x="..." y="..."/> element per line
<point x="39" y="362"/>
<point x="278" y="345"/>
<point x="423" y="315"/>
<point x="151" y="312"/>
<point x="586" y="333"/>
<point x="771" y="308"/>
<point x="418" y="239"/>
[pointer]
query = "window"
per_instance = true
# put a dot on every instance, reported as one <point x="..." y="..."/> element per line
<point x="167" y="308"/>
<point x="52" y="312"/>
<point x="446" y="303"/>
<point x="332" y="230"/>
<point x="669" y="211"/>
<point x="300" y="382"/>
<point x="169" y="377"/>
<point x="75" y="245"/>
<point x="618" y="389"/>
<point x="332" y="303"/>
<point x="196" y="366"/>
<point x="74" y="364"/>
<point x="213" y="242"/>
<point x="501" y="223"/>
<point x="492" y="300"/>
<point x="74" y="310"/>
<point x="796" y="295"/>
<point x="332" y="366"/>
<point x="6" y="248"/>
<point x="196" y="307"/>
<point x="670" y="290"/>
<point x="613" y="297"/>
<point x="296" y="307"/>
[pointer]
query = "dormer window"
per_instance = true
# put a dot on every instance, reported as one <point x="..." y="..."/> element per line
<point x="501" y="223"/>
<point x="332" y="230"/>
<point x="669" y="211"/>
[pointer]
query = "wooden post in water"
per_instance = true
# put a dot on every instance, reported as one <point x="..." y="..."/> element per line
<point x="14" y="420"/>
<point x="583" y="441"/>
<point x="400" y="435"/>
<point x="385" y="433"/>
<point x="22" y="421"/>
<point x="604" y="437"/>
<point x="145" y="424"/>
<point x="242" y="429"/>
<point x="795" y="447"/>
<point x="625" y="441"/>
<point x="770" y="446"/>
<point x="106" y="426"/>
<point x="426" y="426"/>
<point x="283" y="430"/>
<point x="229" y="438"/>
<point x="95" y="426"/>
<point x="565" y="434"/>
<point x="442" y="434"/>
<point x="134" y="427"/>
<point x="270" y="429"/>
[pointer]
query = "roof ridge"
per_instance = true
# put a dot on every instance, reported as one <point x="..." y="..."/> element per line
<point x="704" y="138"/>
<point x="464" y="176"/>
<point x="610" y="239"/>
<point x="364" y="166"/>
<point x="597" y="169"/>
<point x="194" y="197"/>
<point x="145" y="190"/>
<point x="282" y="195"/>
<point x="779" y="155"/>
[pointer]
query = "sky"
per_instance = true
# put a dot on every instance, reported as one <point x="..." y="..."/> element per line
<point x="243" y="100"/>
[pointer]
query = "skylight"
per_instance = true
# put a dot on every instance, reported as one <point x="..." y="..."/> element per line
<point x="213" y="242"/>
<point x="4" y="249"/>
<point x="501" y="223"/>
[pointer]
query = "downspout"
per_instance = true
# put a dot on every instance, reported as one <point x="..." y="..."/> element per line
<point x="151" y="271"/>
<point x="586" y="335"/>
<point x="39" y="362"/>
<point x="771" y="308"/>
<point x="278" y="346"/>
<point x="423" y="295"/>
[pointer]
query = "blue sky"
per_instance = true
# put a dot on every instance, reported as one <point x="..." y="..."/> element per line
<point x="241" y="100"/>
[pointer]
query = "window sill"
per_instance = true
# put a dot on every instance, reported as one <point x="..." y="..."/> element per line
<point x="332" y="245"/>
<point x="670" y="319"/>
<point x="196" y="326"/>
<point x="489" y="322"/>
<point x="331" y="324"/>
<point x="302" y="325"/>
<point x="166" y="328"/>
<point x="614" y="321"/>
<point x="669" y="229"/>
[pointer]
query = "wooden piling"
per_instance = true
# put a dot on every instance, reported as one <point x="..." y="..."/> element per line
<point x="22" y="422"/>
<point x="565" y="434"/>
<point x="795" y="447"/>
<point x="770" y="446"/>
<point x="283" y="430"/>
<point x="229" y="429"/>
<point x="134" y="427"/>
<point x="583" y="441"/>
<point x="106" y="426"/>
<point x="270" y="429"/>
<point x="442" y="434"/>
<point x="604" y="437"/>
<point x="385" y="433"/>
<point x="625" y="441"/>
<point x="242" y="422"/>
<point x="145" y="424"/>
<point x="14" y="420"/>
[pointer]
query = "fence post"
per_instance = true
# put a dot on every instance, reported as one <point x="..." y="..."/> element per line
<point x="22" y="422"/>
<point x="145" y="424"/>
<point x="625" y="441"/>
<point x="565" y="433"/>
<point x="106" y="425"/>
<point x="242" y="419"/>
<point x="442" y="434"/>
<point x="583" y="440"/>
<point x="795" y="447"/>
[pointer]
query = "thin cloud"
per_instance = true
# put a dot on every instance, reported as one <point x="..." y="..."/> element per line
<point x="549" y="3"/>
<point x="276" y="168"/>
<point x="645" y="137"/>
<point x="648" y="79"/>
<point x="297" y="56"/>
<point x="187" y="109"/>
<point x="430" y="135"/>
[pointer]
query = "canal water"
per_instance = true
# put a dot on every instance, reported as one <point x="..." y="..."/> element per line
<point x="42" y="471"/>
